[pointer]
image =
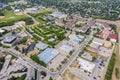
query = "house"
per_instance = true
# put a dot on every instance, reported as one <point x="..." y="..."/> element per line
<point x="113" y="37"/>
<point x="58" y="15"/>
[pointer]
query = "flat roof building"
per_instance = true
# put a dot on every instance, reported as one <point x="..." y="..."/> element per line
<point x="76" y="38"/>
<point x="9" y="39"/>
<point x="98" y="41"/>
<point x="84" y="28"/>
<point x="66" y="48"/>
<point x="41" y="46"/>
<point x="87" y="56"/>
<point x="59" y="15"/>
<point x="47" y="55"/>
<point x="86" y="65"/>
<point x="105" y="52"/>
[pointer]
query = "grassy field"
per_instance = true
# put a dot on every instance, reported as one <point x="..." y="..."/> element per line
<point x="10" y="18"/>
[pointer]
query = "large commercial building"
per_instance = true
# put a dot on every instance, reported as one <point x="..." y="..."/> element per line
<point x="47" y="55"/>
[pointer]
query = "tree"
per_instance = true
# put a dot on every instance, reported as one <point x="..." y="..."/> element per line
<point x="43" y="73"/>
<point x="50" y="78"/>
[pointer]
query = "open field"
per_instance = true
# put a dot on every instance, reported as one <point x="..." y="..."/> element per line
<point x="10" y="18"/>
<point x="75" y="64"/>
<point x="69" y="76"/>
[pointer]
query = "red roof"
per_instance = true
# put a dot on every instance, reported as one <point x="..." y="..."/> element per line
<point x="113" y="36"/>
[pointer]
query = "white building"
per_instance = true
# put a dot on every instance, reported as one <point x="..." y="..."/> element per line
<point x="86" y="65"/>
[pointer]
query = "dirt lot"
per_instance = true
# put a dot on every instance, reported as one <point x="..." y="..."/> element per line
<point x="111" y="22"/>
<point x="117" y="64"/>
<point x="75" y="64"/>
<point x="69" y="76"/>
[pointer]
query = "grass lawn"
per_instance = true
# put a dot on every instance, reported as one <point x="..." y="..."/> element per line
<point x="10" y="18"/>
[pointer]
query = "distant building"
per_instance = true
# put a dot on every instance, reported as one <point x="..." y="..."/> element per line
<point x="58" y="15"/>
<point x="84" y="28"/>
<point x="91" y="23"/>
<point x="113" y="37"/>
<point x="70" y="23"/>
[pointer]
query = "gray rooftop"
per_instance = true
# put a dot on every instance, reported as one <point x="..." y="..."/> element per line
<point x="41" y="46"/>
<point x="9" y="38"/>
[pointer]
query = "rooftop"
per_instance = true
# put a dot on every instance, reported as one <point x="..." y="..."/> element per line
<point x="113" y="36"/>
<point x="87" y="56"/>
<point x="98" y="41"/>
<point x="86" y="65"/>
<point x="41" y="45"/>
<point x="104" y="51"/>
<point x="9" y="38"/>
<point x="66" y="48"/>
<point x="47" y="55"/>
